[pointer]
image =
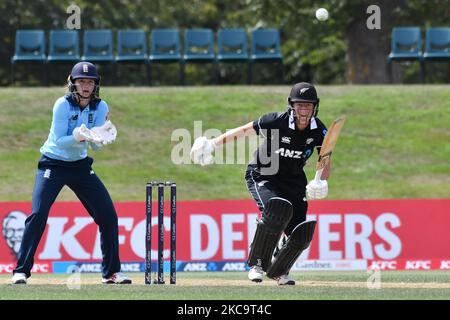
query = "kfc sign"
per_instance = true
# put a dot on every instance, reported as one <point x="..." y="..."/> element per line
<point x="376" y="230"/>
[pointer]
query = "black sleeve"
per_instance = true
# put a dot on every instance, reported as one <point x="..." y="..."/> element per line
<point x="267" y="121"/>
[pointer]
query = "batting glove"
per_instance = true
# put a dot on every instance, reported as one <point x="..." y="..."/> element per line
<point x="201" y="151"/>
<point x="317" y="189"/>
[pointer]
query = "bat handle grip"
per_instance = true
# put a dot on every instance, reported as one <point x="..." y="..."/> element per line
<point x="318" y="175"/>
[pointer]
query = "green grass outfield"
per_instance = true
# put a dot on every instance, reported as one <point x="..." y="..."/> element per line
<point x="394" y="144"/>
<point x="311" y="285"/>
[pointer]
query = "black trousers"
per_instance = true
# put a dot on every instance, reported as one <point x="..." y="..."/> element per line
<point x="52" y="175"/>
<point x="262" y="188"/>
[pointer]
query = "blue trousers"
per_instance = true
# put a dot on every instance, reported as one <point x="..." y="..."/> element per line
<point x="51" y="177"/>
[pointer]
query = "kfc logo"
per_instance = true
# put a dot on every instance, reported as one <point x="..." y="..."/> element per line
<point x="13" y="227"/>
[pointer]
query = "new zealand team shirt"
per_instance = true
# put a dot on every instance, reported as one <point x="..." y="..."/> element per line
<point x="60" y="144"/>
<point x="286" y="144"/>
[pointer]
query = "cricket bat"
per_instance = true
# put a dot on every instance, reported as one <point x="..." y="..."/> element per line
<point x="328" y="145"/>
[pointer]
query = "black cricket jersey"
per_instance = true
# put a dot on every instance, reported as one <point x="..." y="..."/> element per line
<point x="286" y="145"/>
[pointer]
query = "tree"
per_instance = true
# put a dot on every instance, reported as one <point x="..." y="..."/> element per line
<point x="343" y="49"/>
<point x="339" y="50"/>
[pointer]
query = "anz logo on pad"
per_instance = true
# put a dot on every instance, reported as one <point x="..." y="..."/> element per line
<point x="284" y="152"/>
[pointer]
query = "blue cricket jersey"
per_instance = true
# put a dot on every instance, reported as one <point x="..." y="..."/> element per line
<point x="67" y="115"/>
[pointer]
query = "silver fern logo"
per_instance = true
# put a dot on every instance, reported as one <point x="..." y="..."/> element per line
<point x="303" y="90"/>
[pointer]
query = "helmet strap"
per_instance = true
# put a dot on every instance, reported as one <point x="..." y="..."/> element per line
<point x="295" y="117"/>
<point x="78" y="97"/>
<point x="316" y="108"/>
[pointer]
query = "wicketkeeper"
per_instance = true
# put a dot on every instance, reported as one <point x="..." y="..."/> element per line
<point x="80" y="119"/>
<point x="277" y="182"/>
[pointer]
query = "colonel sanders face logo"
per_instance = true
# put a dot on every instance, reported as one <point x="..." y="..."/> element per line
<point x="13" y="226"/>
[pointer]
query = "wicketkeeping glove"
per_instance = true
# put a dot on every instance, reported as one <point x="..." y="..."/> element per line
<point x="107" y="132"/>
<point x="82" y="133"/>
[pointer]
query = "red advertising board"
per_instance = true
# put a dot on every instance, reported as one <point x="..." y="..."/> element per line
<point x="405" y="231"/>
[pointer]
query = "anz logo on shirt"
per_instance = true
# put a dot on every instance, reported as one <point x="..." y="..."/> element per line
<point x="91" y="118"/>
<point x="284" y="152"/>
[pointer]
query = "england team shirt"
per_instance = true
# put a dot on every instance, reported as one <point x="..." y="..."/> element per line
<point x="60" y="144"/>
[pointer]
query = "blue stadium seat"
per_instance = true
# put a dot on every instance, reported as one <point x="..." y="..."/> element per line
<point x="232" y="45"/>
<point x="406" y="45"/>
<point x="265" y="47"/>
<point x="98" y="46"/>
<point x="132" y="48"/>
<point x="29" y="47"/>
<point x="198" y="46"/>
<point x="165" y="47"/>
<point x="131" y="45"/>
<point x="64" y="46"/>
<point x="437" y="44"/>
